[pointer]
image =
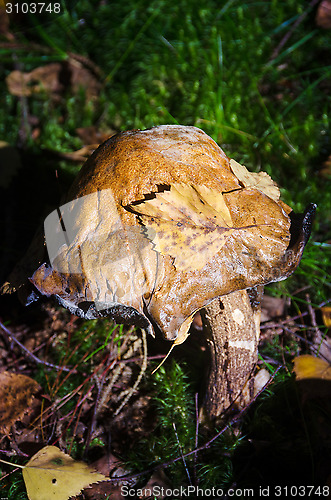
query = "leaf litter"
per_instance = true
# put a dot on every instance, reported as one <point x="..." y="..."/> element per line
<point x="16" y="395"/>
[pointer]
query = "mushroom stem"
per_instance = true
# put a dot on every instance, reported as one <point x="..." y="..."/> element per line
<point x="232" y="327"/>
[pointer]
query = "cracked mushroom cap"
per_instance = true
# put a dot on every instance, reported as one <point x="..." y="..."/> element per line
<point x="159" y="223"/>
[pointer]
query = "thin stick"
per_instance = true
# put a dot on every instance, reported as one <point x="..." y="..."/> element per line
<point x="181" y="452"/>
<point x="312" y="316"/>
<point x="14" y="465"/>
<point x="12" y="337"/>
<point x="195" y="458"/>
<point x="292" y="318"/>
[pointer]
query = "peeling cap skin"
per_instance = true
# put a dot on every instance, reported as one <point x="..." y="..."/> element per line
<point x="166" y="224"/>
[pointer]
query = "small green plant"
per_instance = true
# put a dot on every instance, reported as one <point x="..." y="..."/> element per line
<point x="174" y="433"/>
<point x="12" y="484"/>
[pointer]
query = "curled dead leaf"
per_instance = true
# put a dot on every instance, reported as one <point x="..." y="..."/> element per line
<point x="16" y="394"/>
<point x="261" y="180"/>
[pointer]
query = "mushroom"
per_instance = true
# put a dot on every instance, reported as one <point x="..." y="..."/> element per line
<point x="160" y="224"/>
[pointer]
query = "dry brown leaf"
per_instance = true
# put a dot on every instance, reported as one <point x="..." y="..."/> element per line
<point x="16" y="395"/>
<point x="53" y="79"/>
<point x="261" y="180"/>
<point x="42" y="79"/>
<point x="82" y="78"/>
<point x="323" y="14"/>
<point x="189" y="223"/>
<point x="272" y="307"/>
<point x="308" y="367"/>
<point x="110" y="466"/>
<point x="326" y="168"/>
<point x="93" y="225"/>
<point x="157" y="482"/>
<point x="92" y="135"/>
<point x="52" y="474"/>
<point x="80" y="155"/>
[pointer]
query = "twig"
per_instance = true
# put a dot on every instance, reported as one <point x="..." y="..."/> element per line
<point x="196" y="436"/>
<point x="290" y="32"/>
<point x="182" y="455"/>
<point x="312" y="316"/>
<point x="87" y="63"/>
<point x="12" y="337"/>
<point x="289" y="320"/>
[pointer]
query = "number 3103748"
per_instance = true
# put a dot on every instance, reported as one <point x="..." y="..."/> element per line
<point x="33" y="8"/>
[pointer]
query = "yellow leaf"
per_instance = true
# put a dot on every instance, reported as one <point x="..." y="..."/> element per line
<point x="307" y="366"/>
<point x="261" y="180"/>
<point x="326" y="315"/>
<point x="189" y="223"/>
<point x="51" y="474"/>
<point x="184" y="203"/>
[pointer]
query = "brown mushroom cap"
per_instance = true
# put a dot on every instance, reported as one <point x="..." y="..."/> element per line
<point x="127" y="254"/>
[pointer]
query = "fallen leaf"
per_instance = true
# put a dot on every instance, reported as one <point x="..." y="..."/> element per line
<point x="80" y="155"/>
<point x="53" y="79"/>
<point x="112" y="467"/>
<point x="326" y="315"/>
<point x="43" y="79"/>
<point x="189" y="223"/>
<point x="325" y="171"/>
<point x="261" y="180"/>
<point x="323" y="14"/>
<point x="272" y="307"/>
<point x="52" y="474"/>
<point x="16" y="395"/>
<point x="307" y="367"/>
<point x="81" y="77"/>
<point x="157" y="482"/>
<point x="92" y="135"/>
